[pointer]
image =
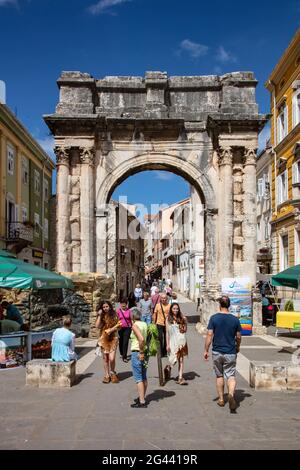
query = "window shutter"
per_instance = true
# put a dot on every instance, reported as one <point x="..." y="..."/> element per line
<point x="286" y="186"/>
<point x="278" y="130"/>
<point x="260" y="188"/>
<point x="285" y="121"/>
<point x="294" y="111"/>
<point x="295" y="173"/>
<point x="278" y="190"/>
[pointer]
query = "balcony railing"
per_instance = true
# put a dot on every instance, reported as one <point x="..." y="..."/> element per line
<point x="17" y="231"/>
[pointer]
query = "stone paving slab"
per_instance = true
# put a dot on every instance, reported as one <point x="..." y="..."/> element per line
<point x="93" y="415"/>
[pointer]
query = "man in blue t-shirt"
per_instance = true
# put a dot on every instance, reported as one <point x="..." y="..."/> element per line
<point x="224" y="332"/>
<point x="12" y="313"/>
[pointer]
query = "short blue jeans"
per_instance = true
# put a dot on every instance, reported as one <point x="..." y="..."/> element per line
<point x="138" y="368"/>
<point x="147" y="319"/>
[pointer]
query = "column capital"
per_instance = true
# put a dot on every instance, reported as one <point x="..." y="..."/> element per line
<point x="225" y="155"/>
<point x="87" y="155"/>
<point x="62" y="155"/>
<point x="250" y="157"/>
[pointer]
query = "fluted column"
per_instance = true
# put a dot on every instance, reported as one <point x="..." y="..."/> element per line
<point x="249" y="221"/>
<point x="63" y="234"/>
<point x="225" y="213"/>
<point x="87" y="208"/>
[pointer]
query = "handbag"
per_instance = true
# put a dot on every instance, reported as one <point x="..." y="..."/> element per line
<point x="98" y="351"/>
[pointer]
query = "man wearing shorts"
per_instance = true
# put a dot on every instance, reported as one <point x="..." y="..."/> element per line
<point x="224" y="334"/>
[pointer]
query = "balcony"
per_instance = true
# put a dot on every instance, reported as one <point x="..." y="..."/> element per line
<point x="19" y="235"/>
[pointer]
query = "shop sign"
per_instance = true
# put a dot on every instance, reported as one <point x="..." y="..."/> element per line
<point x="37" y="254"/>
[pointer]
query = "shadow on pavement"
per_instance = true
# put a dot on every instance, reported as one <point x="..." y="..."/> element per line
<point x="190" y="375"/>
<point x="124" y="375"/>
<point x="193" y="318"/>
<point x="159" y="395"/>
<point x="81" y="377"/>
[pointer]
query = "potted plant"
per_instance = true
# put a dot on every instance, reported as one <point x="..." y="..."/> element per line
<point x="289" y="306"/>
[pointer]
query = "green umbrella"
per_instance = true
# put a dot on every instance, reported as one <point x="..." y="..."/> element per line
<point x="6" y="254"/>
<point x="288" y="278"/>
<point x="15" y="273"/>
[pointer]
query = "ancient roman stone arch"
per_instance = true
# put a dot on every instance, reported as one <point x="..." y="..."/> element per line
<point x="203" y="128"/>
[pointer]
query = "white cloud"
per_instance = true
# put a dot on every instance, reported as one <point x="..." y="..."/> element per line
<point x="8" y="2"/>
<point x="103" y="5"/>
<point x="194" y="49"/>
<point x="47" y="144"/>
<point x="164" y="175"/>
<point x="224" y="56"/>
<point x="264" y="136"/>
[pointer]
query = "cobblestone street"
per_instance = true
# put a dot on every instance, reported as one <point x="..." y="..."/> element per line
<point x="93" y="415"/>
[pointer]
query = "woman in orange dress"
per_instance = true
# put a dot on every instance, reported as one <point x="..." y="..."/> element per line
<point x="108" y="323"/>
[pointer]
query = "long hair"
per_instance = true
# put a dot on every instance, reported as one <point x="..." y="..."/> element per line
<point x="107" y="319"/>
<point x="177" y="317"/>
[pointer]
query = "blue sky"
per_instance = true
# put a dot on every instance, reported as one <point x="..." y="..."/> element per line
<point x="40" y="38"/>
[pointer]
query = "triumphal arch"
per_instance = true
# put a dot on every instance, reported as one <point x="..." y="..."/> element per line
<point x="203" y="128"/>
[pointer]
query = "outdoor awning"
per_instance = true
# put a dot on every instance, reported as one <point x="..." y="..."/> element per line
<point x="288" y="278"/>
<point x="17" y="274"/>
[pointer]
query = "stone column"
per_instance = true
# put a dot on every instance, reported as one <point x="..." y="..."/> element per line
<point x="225" y="213"/>
<point x="249" y="220"/>
<point x="63" y="235"/>
<point x="102" y="242"/>
<point x="87" y="209"/>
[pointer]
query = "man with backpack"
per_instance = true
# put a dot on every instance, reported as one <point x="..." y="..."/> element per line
<point x="159" y="317"/>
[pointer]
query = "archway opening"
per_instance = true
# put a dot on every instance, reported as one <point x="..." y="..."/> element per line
<point x="156" y="223"/>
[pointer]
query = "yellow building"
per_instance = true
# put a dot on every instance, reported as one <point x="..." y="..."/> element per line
<point x="25" y="192"/>
<point x="284" y="86"/>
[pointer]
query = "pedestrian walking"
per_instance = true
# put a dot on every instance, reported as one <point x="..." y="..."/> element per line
<point x="145" y="306"/>
<point x="131" y="300"/>
<point x="153" y="288"/>
<point x="63" y="342"/>
<point x="125" y="317"/>
<point x="173" y="298"/>
<point x="155" y="299"/>
<point x="138" y="339"/>
<point x="159" y="317"/>
<point x="224" y="334"/>
<point x="108" y="323"/>
<point x="177" y="348"/>
<point x="138" y="293"/>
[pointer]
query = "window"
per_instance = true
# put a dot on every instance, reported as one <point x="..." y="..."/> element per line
<point x="25" y="170"/>
<point x="282" y="187"/>
<point x="297" y="247"/>
<point x="296" y="172"/>
<point x="284" y="255"/>
<point x="260" y="188"/>
<point x="37" y="263"/>
<point x="296" y="108"/>
<point x="259" y="230"/>
<point x="37" y="182"/>
<point x="37" y="224"/>
<point x="46" y="265"/>
<point x="132" y="256"/>
<point x="267" y="229"/>
<point x="10" y="160"/>
<point x="24" y="214"/>
<point x="282" y="123"/>
<point x="46" y="190"/>
<point x="46" y="229"/>
<point x="25" y="260"/>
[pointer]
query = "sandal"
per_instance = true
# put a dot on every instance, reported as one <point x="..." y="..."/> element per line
<point x="221" y="402"/>
<point x="106" y="379"/>
<point x="114" y="379"/>
<point x="181" y="381"/>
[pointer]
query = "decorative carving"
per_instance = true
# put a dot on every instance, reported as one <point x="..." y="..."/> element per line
<point x="87" y="155"/>
<point x="62" y="155"/>
<point x="250" y="156"/>
<point x="225" y="156"/>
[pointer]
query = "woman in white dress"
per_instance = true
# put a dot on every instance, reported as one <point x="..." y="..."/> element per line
<point x="177" y="348"/>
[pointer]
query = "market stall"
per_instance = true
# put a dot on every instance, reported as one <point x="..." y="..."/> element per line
<point x="19" y="347"/>
<point x="288" y="318"/>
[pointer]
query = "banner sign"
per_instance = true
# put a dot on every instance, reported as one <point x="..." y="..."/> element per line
<point x="238" y="290"/>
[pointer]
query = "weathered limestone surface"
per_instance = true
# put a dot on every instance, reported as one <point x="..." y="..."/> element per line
<point x="272" y="376"/>
<point x="44" y="373"/>
<point x="204" y="128"/>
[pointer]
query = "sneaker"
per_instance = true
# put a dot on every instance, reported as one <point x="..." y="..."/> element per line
<point x="114" y="379"/>
<point x="106" y="379"/>
<point x="232" y="402"/>
<point x="137" y="404"/>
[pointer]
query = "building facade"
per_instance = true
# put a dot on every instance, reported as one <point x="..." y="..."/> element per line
<point x="264" y="209"/>
<point x="25" y="187"/>
<point x="284" y="87"/>
<point x="125" y="261"/>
